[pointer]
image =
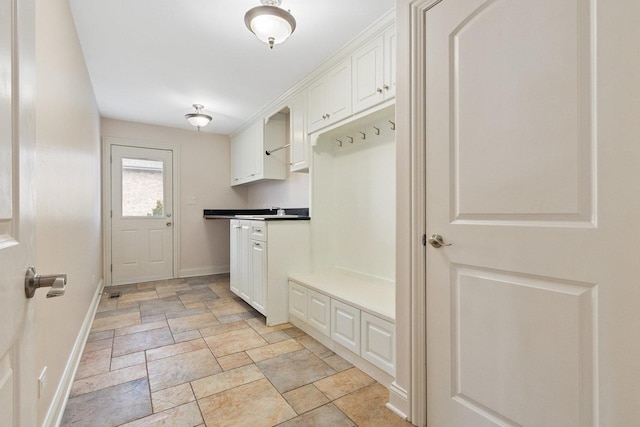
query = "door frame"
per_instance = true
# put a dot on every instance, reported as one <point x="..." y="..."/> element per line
<point x="411" y="209"/>
<point x="107" y="143"/>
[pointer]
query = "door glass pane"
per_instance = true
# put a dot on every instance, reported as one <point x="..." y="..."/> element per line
<point x="142" y="188"/>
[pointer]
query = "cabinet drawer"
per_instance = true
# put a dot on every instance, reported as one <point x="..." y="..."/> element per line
<point x="298" y="301"/>
<point x="319" y="311"/>
<point x="345" y="325"/>
<point x="259" y="231"/>
<point x="378" y="342"/>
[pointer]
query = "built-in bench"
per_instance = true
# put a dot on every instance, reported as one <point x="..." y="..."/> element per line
<point x="352" y="315"/>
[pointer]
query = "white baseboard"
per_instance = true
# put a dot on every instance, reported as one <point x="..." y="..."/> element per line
<point x="59" y="401"/>
<point x="398" y="400"/>
<point x="203" y="271"/>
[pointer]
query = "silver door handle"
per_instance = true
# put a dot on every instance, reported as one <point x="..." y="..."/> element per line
<point x="436" y="241"/>
<point x="33" y="281"/>
<point x="169" y="224"/>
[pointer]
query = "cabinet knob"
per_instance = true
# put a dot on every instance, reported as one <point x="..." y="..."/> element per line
<point x="379" y="90"/>
<point x="385" y="87"/>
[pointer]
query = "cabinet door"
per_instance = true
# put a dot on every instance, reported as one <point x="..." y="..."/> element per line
<point x="378" y="342"/>
<point x="259" y="276"/>
<point x="234" y="256"/>
<point x="234" y="150"/>
<point x="319" y="307"/>
<point x="316" y="110"/>
<point x="368" y="75"/>
<point x="254" y="150"/>
<point x="389" y="84"/>
<point x="345" y="325"/>
<point x="298" y="301"/>
<point x="338" y="103"/>
<point x="245" y="261"/>
<point x="299" y="149"/>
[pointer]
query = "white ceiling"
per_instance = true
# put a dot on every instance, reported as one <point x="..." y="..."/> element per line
<point x="149" y="60"/>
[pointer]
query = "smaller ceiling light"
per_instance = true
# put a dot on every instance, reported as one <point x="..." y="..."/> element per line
<point x="269" y="23"/>
<point x="198" y="119"/>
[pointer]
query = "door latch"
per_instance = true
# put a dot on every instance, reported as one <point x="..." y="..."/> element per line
<point x="33" y="281"/>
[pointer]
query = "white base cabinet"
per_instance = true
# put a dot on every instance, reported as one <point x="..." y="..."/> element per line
<point x="361" y="332"/>
<point x="262" y="255"/>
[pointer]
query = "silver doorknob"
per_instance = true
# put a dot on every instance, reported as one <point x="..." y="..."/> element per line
<point x="33" y="281"/>
<point x="436" y="241"/>
<point x="168" y="224"/>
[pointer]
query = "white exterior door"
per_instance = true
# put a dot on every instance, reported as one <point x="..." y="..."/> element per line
<point x="18" y="393"/>
<point x="532" y="150"/>
<point x="141" y="214"/>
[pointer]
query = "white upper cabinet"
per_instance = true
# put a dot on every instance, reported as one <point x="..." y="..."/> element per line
<point x="374" y="71"/>
<point x="329" y="97"/>
<point x="299" y="148"/>
<point x="248" y="151"/>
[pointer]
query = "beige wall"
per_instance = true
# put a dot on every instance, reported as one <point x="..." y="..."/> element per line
<point x="290" y="193"/>
<point x="204" y="175"/>
<point x="67" y="186"/>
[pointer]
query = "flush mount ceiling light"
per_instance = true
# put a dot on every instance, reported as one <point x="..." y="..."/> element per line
<point x="269" y="23"/>
<point x="198" y="119"/>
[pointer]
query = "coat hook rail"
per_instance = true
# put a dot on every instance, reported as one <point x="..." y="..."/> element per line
<point x="268" y="152"/>
<point x="393" y="125"/>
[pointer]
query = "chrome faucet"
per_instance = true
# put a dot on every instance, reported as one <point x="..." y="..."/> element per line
<point x="280" y="211"/>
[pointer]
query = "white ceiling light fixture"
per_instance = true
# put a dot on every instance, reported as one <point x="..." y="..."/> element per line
<point x="269" y="23"/>
<point x="198" y="119"/>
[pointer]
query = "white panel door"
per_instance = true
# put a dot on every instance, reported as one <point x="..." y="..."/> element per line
<point x="18" y="394"/>
<point x="141" y="214"/>
<point x="532" y="169"/>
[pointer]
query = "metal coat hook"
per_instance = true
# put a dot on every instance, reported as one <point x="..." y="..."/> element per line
<point x="339" y="142"/>
<point x="377" y="130"/>
<point x="350" y="140"/>
<point x="364" y="135"/>
<point x="393" y="125"/>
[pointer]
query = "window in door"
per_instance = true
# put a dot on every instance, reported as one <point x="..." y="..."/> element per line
<point x="142" y="188"/>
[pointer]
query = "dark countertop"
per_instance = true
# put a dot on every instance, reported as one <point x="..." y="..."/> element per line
<point x="303" y="213"/>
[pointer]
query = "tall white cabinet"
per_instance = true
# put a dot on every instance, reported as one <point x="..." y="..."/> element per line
<point x="262" y="255"/>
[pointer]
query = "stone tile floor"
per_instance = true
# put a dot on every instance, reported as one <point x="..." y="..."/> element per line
<point x="188" y="352"/>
